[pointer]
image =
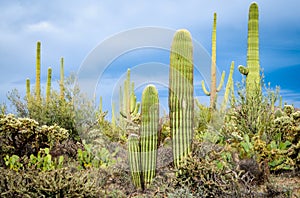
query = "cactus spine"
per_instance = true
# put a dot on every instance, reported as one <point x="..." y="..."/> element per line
<point x="143" y="152"/>
<point x="48" y="89"/>
<point x="38" y="72"/>
<point x="213" y="84"/>
<point x="229" y="88"/>
<point x="62" y="75"/>
<point x="252" y="71"/>
<point x="181" y="95"/>
<point x="149" y="132"/>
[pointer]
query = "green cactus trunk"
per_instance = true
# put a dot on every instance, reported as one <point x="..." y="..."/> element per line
<point x="213" y="84"/>
<point x="229" y="88"/>
<point x="48" y="89"/>
<point x="181" y="95"/>
<point x="62" y="76"/>
<point x="252" y="71"/>
<point x="38" y="72"/>
<point x="113" y="119"/>
<point x="28" y="89"/>
<point x="134" y="158"/>
<point x="149" y="132"/>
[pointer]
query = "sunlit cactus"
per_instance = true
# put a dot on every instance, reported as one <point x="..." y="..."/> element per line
<point x="252" y="71"/>
<point x="181" y="95"/>
<point x="149" y="132"/>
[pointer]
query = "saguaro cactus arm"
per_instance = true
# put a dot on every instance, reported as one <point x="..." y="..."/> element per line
<point x="243" y="70"/>
<point x="221" y="82"/>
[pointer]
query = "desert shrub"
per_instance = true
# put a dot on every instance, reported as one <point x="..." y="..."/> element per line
<point x="64" y="182"/>
<point x="24" y="136"/>
<point x="75" y="112"/>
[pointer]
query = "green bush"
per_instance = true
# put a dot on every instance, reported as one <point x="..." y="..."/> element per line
<point x="24" y="136"/>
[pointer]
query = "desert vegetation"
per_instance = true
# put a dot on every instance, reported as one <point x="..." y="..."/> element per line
<point x="60" y="145"/>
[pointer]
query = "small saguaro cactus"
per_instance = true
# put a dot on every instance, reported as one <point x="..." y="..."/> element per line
<point x="38" y="72"/>
<point x="149" y="132"/>
<point x="213" y="84"/>
<point x="129" y="107"/>
<point x="27" y="89"/>
<point x="181" y="95"/>
<point x="48" y="89"/>
<point x="142" y="151"/>
<point x="61" y="81"/>
<point x="134" y="158"/>
<point x="229" y="88"/>
<point x="252" y="71"/>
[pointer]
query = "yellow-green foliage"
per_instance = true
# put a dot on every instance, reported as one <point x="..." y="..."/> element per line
<point x="24" y="136"/>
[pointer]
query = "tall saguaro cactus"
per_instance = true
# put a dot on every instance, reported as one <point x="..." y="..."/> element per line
<point x="142" y="151"/>
<point x="38" y="72"/>
<point x="252" y="71"/>
<point x="149" y="132"/>
<point x="213" y="84"/>
<point x="48" y="89"/>
<point x="181" y="95"/>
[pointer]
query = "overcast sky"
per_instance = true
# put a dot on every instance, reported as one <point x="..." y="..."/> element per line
<point x="75" y="30"/>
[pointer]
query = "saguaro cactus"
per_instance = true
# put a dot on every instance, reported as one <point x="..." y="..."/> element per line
<point x="229" y="88"/>
<point x="181" y="95"/>
<point x="213" y="84"/>
<point x="38" y="72"/>
<point x="27" y="89"/>
<point x="61" y="81"/>
<point x="143" y="152"/>
<point x="129" y="107"/>
<point x="48" y="89"/>
<point x="252" y="71"/>
<point x="149" y="132"/>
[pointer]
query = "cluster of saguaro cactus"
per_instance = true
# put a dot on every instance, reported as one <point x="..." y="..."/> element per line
<point x="229" y="89"/>
<point x="129" y="107"/>
<point x="252" y="71"/>
<point x="181" y="95"/>
<point x="142" y="149"/>
<point x="213" y="84"/>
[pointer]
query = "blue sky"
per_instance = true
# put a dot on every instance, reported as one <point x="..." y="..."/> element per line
<point x="75" y="30"/>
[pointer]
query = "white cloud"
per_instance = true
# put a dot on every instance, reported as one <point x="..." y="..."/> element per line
<point x="43" y="26"/>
